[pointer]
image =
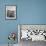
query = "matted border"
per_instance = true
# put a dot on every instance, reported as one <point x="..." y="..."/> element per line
<point x="11" y="18"/>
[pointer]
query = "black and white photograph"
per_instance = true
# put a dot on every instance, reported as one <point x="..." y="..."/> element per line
<point x="10" y="12"/>
<point x="31" y="34"/>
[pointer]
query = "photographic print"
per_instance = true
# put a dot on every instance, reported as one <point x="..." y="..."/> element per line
<point x="11" y="12"/>
<point x="32" y="32"/>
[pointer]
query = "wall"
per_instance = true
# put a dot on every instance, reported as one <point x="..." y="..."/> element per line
<point x="33" y="12"/>
<point x="28" y="12"/>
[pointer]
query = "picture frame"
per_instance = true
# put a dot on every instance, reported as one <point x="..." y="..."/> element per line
<point x="37" y="29"/>
<point x="10" y="12"/>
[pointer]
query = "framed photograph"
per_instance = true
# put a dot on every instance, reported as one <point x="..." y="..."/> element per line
<point x="33" y="32"/>
<point x="10" y="12"/>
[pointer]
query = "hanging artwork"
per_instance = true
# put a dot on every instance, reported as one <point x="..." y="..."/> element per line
<point x="10" y="12"/>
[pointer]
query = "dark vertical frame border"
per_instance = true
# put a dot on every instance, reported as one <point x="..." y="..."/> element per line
<point x="5" y="12"/>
